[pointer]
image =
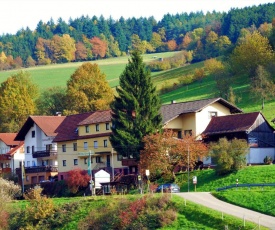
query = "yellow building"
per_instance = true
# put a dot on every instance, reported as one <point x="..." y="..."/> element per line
<point x="85" y="137"/>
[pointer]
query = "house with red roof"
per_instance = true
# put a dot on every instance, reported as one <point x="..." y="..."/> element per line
<point x="11" y="152"/>
<point x="40" y="160"/>
<point x="252" y="127"/>
<point x="83" y="142"/>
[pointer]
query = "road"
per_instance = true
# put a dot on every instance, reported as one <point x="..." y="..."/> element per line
<point x="206" y="199"/>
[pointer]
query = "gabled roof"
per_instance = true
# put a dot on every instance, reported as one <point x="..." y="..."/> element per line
<point x="48" y="124"/>
<point x="8" y="139"/>
<point x="232" y="123"/>
<point x="171" y="111"/>
<point x="68" y="130"/>
<point x="97" y="117"/>
<point x="13" y="150"/>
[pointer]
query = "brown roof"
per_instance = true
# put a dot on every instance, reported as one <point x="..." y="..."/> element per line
<point x="8" y="138"/>
<point x="97" y="117"/>
<point x="231" y="123"/>
<point x="173" y="110"/>
<point x="68" y="130"/>
<point x="48" y="124"/>
<point x="13" y="150"/>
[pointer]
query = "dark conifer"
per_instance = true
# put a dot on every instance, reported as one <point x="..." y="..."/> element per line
<point x="136" y="109"/>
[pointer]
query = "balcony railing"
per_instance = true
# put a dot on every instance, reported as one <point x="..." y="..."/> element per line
<point x="5" y="170"/>
<point x="5" y="157"/>
<point x="45" y="153"/>
<point x="37" y="169"/>
<point x="129" y="162"/>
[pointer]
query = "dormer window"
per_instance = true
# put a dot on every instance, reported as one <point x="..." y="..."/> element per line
<point x="33" y="134"/>
<point x="212" y="114"/>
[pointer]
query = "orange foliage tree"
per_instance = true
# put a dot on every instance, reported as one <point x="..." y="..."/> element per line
<point x="163" y="153"/>
<point x="99" y="47"/>
<point x="76" y="179"/>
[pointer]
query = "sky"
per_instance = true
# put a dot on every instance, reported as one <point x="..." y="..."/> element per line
<point x="18" y="14"/>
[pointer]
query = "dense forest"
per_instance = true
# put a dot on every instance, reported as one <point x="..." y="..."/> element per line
<point x="205" y="35"/>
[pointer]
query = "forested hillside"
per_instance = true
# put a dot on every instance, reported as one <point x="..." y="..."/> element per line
<point x="89" y="38"/>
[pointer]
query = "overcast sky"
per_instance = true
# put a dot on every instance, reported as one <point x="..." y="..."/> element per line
<point x="18" y="14"/>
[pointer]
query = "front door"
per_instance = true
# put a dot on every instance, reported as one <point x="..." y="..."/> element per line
<point x="108" y="161"/>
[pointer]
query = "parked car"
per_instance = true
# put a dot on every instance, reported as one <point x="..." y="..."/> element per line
<point x="168" y="187"/>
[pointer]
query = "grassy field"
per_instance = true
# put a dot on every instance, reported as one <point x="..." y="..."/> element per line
<point x="57" y="75"/>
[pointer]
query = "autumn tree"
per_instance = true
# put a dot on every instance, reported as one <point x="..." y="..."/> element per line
<point x="88" y="90"/>
<point x="253" y="51"/>
<point x="228" y="155"/>
<point x="136" y="108"/>
<point x="262" y="87"/>
<point x="163" y="153"/>
<point x="52" y="100"/>
<point x="172" y="45"/>
<point x="30" y="62"/>
<point x="80" y="52"/>
<point x="99" y="47"/>
<point x="77" y="179"/>
<point x="17" y="95"/>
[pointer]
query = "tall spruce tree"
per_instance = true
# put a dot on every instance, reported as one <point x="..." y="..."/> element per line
<point x="136" y="109"/>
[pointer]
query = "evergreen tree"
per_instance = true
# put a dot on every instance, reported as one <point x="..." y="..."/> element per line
<point x="136" y="109"/>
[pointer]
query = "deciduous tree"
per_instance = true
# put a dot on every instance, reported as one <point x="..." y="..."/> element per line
<point x="164" y="153"/>
<point x="17" y="95"/>
<point x="229" y="155"/>
<point x="136" y="109"/>
<point x="77" y="178"/>
<point x="99" y="47"/>
<point x="88" y="90"/>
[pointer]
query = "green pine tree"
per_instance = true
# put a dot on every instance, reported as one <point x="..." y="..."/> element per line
<point x="136" y="109"/>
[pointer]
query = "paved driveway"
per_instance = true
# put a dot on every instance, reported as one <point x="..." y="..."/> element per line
<point x="206" y="199"/>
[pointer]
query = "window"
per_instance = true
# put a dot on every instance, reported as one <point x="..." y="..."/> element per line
<point x="87" y="128"/>
<point x="28" y="163"/>
<point x="32" y="149"/>
<point x="63" y="148"/>
<point x="179" y="134"/>
<point x="75" y="161"/>
<point x="33" y="163"/>
<point x="97" y="127"/>
<point x="64" y="162"/>
<point x="188" y="132"/>
<point x="27" y="178"/>
<point x="105" y="143"/>
<point x="75" y="146"/>
<point x="85" y="145"/>
<point x="48" y="147"/>
<point x="85" y="161"/>
<point x="212" y="114"/>
<point x="33" y="134"/>
<point x="28" y="149"/>
<point x="119" y="157"/>
<point x="95" y="144"/>
<point x="98" y="160"/>
<point x="107" y="126"/>
<point x="62" y="177"/>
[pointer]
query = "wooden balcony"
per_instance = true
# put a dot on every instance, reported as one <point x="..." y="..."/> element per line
<point x="45" y="153"/>
<point x="5" y="157"/>
<point x="37" y="169"/>
<point x="129" y="162"/>
<point x="5" y="170"/>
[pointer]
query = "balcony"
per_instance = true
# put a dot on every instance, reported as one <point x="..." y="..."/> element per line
<point x="5" y="157"/>
<point x="129" y="162"/>
<point x="38" y="169"/>
<point x="5" y="170"/>
<point x="45" y="153"/>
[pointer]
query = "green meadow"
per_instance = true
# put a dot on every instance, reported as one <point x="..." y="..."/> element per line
<point x="58" y="75"/>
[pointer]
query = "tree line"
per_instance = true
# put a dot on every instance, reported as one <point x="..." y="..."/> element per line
<point x="88" y="38"/>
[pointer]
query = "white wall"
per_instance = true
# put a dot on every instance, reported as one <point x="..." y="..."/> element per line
<point x="3" y="148"/>
<point x="257" y="155"/>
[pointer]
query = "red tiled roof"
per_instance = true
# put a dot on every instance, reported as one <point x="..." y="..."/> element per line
<point x="97" y="117"/>
<point x="8" y="138"/>
<point x="48" y="124"/>
<point x="231" y="123"/>
<point x="68" y="130"/>
<point x="13" y="150"/>
<point x="171" y="111"/>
